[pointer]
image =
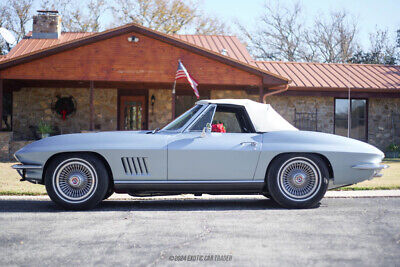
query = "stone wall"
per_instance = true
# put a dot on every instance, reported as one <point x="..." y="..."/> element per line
<point x="161" y="113"/>
<point x="5" y="140"/>
<point x="286" y="105"/>
<point x="31" y="105"/>
<point x="232" y="94"/>
<point x="380" y="130"/>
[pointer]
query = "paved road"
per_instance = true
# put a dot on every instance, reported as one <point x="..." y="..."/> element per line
<point x="226" y="231"/>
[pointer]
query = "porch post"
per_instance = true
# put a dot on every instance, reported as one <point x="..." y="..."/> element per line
<point x="91" y="120"/>
<point x="260" y="93"/>
<point x="1" y="104"/>
<point x="173" y="101"/>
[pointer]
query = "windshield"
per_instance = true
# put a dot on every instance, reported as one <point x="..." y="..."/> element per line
<point x="182" y="119"/>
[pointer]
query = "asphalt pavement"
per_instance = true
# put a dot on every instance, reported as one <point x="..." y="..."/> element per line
<point x="228" y="231"/>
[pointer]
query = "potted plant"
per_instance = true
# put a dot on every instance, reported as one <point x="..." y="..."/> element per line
<point x="44" y="129"/>
<point x="393" y="151"/>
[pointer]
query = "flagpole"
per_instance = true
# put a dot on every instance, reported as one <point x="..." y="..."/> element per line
<point x="173" y="100"/>
<point x="349" y="114"/>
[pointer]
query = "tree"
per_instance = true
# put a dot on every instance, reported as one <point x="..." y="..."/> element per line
<point x="382" y="50"/>
<point x="279" y="34"/>
<point x="78" y="16"/>
<point x="4" y="48"/>
<point x="334" y="38"/>
<point x="168" y="16"/>
<point x="18" y="13"/>
<point x="283" y="34"/>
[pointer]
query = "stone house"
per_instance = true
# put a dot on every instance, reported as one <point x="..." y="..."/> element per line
<point x="121" y="79"/>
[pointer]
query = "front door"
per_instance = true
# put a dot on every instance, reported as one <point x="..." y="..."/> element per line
<point x="229" y="153"/>
<point x="132" y="113"/>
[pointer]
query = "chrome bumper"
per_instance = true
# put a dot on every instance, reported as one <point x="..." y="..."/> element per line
<point x="21" y="169"/>
<point x="376" y="167"/>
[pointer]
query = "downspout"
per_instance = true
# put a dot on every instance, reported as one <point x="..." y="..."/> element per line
<point x="275" y="92"/>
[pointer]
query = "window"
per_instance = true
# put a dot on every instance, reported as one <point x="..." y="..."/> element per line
<point x="231" y="120"/>
<point x="358" y="118"/>
<point x="202" y="122"/>
<point x="7" y="111"/>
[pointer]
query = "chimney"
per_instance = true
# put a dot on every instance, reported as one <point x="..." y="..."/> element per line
<point x="46" y="25"/>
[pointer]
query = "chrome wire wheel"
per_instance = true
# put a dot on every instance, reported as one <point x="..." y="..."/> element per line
<point x="75" y="180"/>
<point x="299" y="179"/>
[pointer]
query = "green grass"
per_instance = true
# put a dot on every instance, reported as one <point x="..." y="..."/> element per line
<point x="389" y="180"/>
<point x="10" y="184"/>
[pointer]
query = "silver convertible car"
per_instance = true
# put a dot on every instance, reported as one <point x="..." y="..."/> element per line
<point x="217" y="147"/>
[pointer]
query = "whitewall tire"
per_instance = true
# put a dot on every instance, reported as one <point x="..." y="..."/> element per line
<point x="298" y="180"/>
<point x="76" y="181"/>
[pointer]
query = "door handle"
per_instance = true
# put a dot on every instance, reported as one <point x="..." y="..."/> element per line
<point x="248" y="143"/>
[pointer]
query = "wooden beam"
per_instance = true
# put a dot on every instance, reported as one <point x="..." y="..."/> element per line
<point x="1" y="104"/>
<point x="91" y="128"/>
<point x="260" y="93"/>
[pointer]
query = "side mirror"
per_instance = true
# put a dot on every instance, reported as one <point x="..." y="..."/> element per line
<point x="206" y="130"/>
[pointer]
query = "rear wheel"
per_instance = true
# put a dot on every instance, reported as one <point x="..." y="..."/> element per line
<point x="76" y="181"/>
<point x="297" y="180"/>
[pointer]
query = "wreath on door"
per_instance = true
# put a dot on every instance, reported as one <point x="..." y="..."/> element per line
<point x="64" y="106"/>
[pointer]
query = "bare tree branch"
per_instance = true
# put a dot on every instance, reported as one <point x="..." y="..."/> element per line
<point x="168" y="16"/>
<point x="19" y="13"/>
<point x="334" y="38"/>
<point x="279" y="33"/>
<point x="78" y="16"/>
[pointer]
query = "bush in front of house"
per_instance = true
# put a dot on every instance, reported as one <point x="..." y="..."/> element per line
<point x="393" y="151"/>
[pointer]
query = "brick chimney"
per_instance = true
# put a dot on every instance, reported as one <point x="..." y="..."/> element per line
<point x="46" y="25"/>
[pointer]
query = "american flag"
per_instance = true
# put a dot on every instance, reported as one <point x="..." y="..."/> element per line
<point x="182" y="73"/>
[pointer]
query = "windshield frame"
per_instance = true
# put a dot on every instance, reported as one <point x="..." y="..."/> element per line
<point x="209" y="106"/>
<point x="200" y="111"/>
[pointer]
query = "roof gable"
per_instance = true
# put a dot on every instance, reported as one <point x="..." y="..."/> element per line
<point x="267" y="78"/>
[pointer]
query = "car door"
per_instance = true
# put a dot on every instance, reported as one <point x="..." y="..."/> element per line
<point x="229" y="156"/>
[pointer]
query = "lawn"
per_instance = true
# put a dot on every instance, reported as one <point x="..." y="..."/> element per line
<point x="390" y="179"/>
<point x="10" y="184"/>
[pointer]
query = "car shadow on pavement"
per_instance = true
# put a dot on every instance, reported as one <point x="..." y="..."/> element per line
<point x="145" y="205"/>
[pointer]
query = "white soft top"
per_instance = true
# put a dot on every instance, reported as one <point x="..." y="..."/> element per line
<point x="263" y="116"/>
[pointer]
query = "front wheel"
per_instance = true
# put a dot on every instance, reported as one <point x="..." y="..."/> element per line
<point x="76" y="181"/>
<point x="298" y="180"/>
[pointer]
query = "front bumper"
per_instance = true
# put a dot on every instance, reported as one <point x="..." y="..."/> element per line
<point x="376" y="167"/>
<point x="28" y="172"/>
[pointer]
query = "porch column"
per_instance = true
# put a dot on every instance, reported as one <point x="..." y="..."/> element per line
<point x="1" y="104"/>
<point x="260" y="93"/>
<point x="91" y="120"/>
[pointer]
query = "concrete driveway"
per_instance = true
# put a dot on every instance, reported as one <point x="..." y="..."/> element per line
<point x="216" y="231"/>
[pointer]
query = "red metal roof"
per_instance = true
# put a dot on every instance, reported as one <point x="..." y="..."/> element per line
<point x="28" y="44"/>
<point x="217" y="43"/>
<point x="336" y="76"/>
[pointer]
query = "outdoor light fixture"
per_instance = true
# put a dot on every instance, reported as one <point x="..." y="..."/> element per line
<point x="152" y="101"/>
<point x="133" y="39"/>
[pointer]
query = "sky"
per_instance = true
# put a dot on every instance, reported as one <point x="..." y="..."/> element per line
<point x="370" y="14"/>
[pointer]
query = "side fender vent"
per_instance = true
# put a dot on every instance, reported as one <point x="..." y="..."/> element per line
<point x="135" y="165"/>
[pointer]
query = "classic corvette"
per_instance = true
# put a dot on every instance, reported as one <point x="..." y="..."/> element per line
<point x="217" y="147"/>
